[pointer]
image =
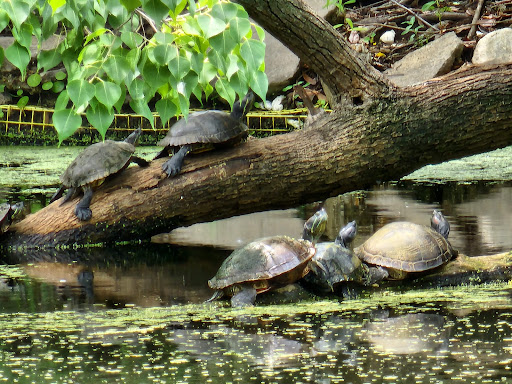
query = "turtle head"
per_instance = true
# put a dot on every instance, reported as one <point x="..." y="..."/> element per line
<point x="440" y="224"/>
<point x="134" y="136"/>
<point x="346" y="234"/>
<point x="314" y="227"/>
<point x="240" y="108"/>
<point x="16" y="209"/>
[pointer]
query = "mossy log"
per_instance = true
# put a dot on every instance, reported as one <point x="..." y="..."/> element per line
<point x="376" y="132"/>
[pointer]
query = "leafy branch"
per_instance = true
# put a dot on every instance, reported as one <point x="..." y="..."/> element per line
<point x="111" y="55"/>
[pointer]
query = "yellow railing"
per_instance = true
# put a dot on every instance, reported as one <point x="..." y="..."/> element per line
<point x="35" y="119"/>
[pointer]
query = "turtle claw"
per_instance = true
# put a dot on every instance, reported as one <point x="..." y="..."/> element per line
<point x="83" y="214"/>
<point x="170" y="168"/>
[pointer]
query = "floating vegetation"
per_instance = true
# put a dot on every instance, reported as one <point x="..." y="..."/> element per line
<point x="390" y="337"/>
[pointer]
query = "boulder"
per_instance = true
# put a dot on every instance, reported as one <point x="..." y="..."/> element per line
<point x="434" y="59"/>
<point x="494" y="48"/>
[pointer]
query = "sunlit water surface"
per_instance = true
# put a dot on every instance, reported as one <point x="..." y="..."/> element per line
<point x="134" y="314"/>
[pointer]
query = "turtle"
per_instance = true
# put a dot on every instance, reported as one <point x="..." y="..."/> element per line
<point x="204" y="130"/>
<point x="92" y="166"/>
<point x="335" y="263"/>
<point x="8" y="212"/>
<point x="401" y="248"/>
<point x="267" y="263"/>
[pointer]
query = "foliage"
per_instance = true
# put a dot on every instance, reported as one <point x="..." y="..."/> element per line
<point x="145" y="51"/>
<point x="411" y="29"/>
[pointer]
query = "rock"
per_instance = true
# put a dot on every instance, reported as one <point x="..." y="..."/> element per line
<point x="432" y="60"/>
<point x="388" y="37"/>
<point x="494" y="48"/>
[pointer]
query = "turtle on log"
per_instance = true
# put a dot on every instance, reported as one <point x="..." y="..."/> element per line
<point x="92" y="166"/>
<point x="203" y="131"/>
<point x="400" y="248"/>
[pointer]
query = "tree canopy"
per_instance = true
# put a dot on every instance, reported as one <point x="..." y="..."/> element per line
<point x="154" y="53"/>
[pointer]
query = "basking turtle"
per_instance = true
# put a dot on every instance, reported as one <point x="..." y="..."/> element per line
<point x="8" y="213"/>
<point x="92" y="166"/>
<point x="204" y="130"/>
<point x="401" y="247"/>
<point x="268" y="263"/>
<point x="336" y="263"/>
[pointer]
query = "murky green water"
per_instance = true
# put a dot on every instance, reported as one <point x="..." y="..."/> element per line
<point x="136" y="314"/>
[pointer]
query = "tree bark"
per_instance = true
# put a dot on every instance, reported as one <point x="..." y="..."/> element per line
<point x="392" y="133"/>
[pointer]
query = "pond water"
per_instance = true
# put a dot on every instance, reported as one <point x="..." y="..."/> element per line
<point x="135" y="314"/>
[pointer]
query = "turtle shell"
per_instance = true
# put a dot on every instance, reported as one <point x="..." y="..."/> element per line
<point x="205" y="127"/>
<point x="5" y="210"/>
<point x="266" y="263"/>
<point x="406" y="247"/>
<point x="333" y="264"/>
<point x="97" y="162"/>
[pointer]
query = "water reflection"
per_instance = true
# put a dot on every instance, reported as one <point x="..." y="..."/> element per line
<point x="477" y="212"/>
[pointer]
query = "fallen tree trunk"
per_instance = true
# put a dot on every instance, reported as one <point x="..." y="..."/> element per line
<point x="376" y="132"/>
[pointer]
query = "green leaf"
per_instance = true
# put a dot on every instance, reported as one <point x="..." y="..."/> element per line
<point x="58" y="86"/>
<point x="163" y="54"/>
<point x="156" y="10"/>
<point x="4" y="19"/>
<point x="47" y="86"/>
<point x="179" y="67"/>
<point x="80" y="92"/>
<point x="130" y="5"/>
<point x="34" y="80"/>
<point x="117" y="68"/>
<point x="22" y="102"/>
<point x="210" y="25"/>
<point x="100" y="117"/>
<point x="225" y="91"/>
<point x="253" y="53"/>
<point x="259" y="84"/>
<point x="207" y="74"/>
<point x="191" y="27"/>
<point x="60" y="75"/>
<point x="232" y="66"/>
<point x="95" y="34"/>
<point x="56" y="4"/>
<point x="62" y="100"/>
<point x="218" y="61"/>
<point x="18" y="11"/>
<point x="49" y="59"/>
<point x="136" y="89"/>
<point x="2" y="56"/>
<point x="224" y="11"/>
<point x="223" y="43"/>
<point x="131" y="39"/>
<point x="23" y="35"/>
<point x="107" y="93"/>
<point x="166" y="109"/>
<point x="66" y="122"/>
<point x="239" y="28"/>
<point x="19" y="57"/>
<point x="141" y="108"/>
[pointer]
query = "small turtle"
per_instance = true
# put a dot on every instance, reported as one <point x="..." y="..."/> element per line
<point x="401" y="247"/>
<point x="268" y="263"/>
<point x="8" y="212"/>
<point x="336" y="263"/>
<point x="202" y="131"/>
<point x="92" y="166"/>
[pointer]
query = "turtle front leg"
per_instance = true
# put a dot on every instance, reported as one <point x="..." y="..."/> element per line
<point x="173" y="166"/>
<point x="376" y="274"/>
<point x="82" y="210"/>
<point x="244" y="298"/>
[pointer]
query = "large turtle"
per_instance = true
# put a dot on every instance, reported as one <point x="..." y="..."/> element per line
<point x="204" y="130"/>
<point x="335" y="263"/>
<point x="8" y="212"/>
<point x="92" y="166"/>
<point x="268" y="263"/>
<point x="401" y="248"/>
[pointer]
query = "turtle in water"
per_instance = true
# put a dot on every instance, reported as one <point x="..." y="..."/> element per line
<point x="8" y="212"/>
<point x="268" y="263"/>
<point x="335" y="263"/>
<point x="401" y="248"/>
<point x="202" y="131"/>
<point x="92" y="166"/>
